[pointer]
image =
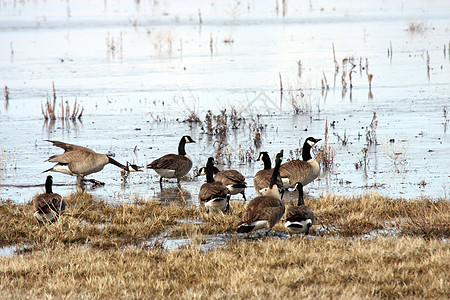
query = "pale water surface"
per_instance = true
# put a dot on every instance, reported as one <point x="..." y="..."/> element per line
<point x="139" y="68"/>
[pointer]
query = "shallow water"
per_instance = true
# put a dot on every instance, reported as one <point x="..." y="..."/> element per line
<point x="138" y="70"/>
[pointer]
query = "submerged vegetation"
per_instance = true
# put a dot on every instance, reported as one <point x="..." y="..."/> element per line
<point x="399" y="248"/>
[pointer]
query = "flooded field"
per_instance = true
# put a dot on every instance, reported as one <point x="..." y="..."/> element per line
<point x="376" y="75"/>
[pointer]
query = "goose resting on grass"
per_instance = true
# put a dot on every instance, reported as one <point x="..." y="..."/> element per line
<point x="299" y="218"/>
<point x="213" y="195"/>
<point x="48" y="206"/>
<point x="263" y="212"/>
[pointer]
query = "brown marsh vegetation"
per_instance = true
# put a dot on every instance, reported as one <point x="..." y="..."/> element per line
<point x="362" y="246"/>
<point x="49" y="112"/>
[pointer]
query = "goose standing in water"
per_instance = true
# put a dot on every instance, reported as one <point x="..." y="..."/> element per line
<point x="48" y="206"/>
<point x="173" y="165"/>
<point x="263" y="212"/>
<point x="305" y="170"/>
<point x="299" y="218"/>
<point x="81" y="161"/>
<point x="213" y="195"/>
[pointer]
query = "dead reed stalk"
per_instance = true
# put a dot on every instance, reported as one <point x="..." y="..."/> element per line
<point x="49" y="112"/>
<point x="325" y="153"/>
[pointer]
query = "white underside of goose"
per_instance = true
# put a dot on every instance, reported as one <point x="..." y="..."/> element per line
<point x="63" y="169"/>
<point x="261" y="224"/>
<point x="167" y="173"/>
<point x="216" y="204"/>
<point x="234" y="190"/>
<point x="297" y="227"/>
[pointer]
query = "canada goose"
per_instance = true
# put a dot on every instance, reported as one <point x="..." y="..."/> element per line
<point x="233" y="180"/>
<point x="48" y="206"/>
<point x="81" y="161"/>
<point x="213" y="195"/>
<point x="262" y="177"/>
<point x="304" y="171"/>
<point x="299" y="218"/>
<point x="263" y="212"/>
<point x="173" y="165"/>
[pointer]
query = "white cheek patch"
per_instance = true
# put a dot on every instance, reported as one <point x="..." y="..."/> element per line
<point x="202" y="171"/>
<point x="311" y="143"/>
<point x="263" y="191"/>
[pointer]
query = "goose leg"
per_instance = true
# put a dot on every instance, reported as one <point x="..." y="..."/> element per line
<point x="95" y="182"/>
<point x="243" y="195"/>
<point x="160" y="182"/>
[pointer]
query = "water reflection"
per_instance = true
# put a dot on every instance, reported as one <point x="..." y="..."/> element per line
<point x="174" y="193"/>
<point x="65" y="125"/>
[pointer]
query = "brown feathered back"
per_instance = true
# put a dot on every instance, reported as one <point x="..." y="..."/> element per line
<point x="263" y="208"/>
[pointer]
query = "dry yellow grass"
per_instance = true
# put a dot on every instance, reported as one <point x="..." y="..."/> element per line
<point x="268" y="268"/>
<point x="99" y="250"/>
<point x="99" y="224"/>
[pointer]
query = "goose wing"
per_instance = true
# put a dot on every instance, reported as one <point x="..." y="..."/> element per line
<point x="70" y="156"/>
<point x="45" y="202"/>
<point x="212" y="190"/>
<point x="299" y="213"/>
<point x="263" y="208"/>
<point x="230" y="177"/>
<point x="294" y="166"/>
<point x="69" y="147"/>
<point x="299" y="171"/>
<point x="180" y="163"/>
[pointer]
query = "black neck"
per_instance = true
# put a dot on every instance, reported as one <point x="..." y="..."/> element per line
<point x="215" y="170"/>
<point x="300" y="194"/>
<point x="115" y="162"/>
<point x="181" y="149"/>
<point x="276" y="171"/>
<point x="266" y="159"/>
<point x="48" y="185"/>
<point x="306" y="152"/>
<point x="210" y="171"/>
